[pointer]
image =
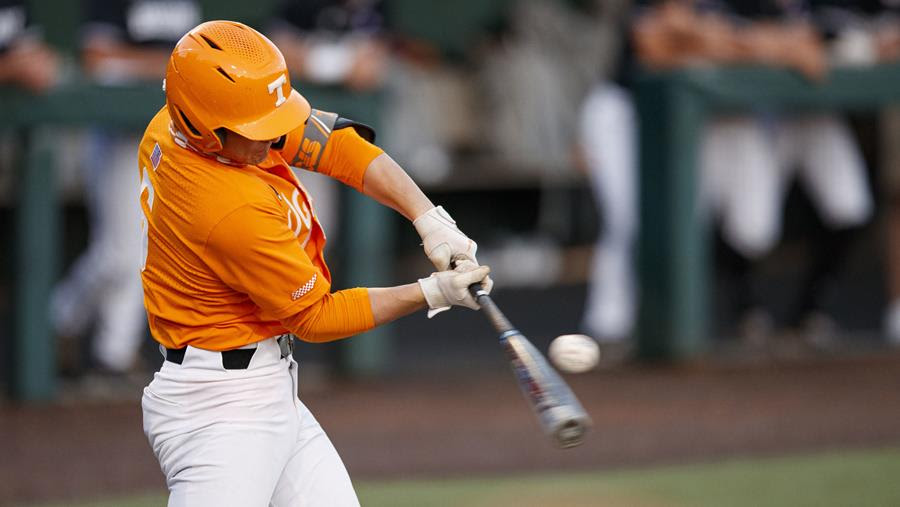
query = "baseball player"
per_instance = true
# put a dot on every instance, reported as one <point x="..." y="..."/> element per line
<point x="232" y="267"/>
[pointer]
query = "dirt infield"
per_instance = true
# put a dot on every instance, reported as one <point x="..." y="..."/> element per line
<point x="480" y="425"/>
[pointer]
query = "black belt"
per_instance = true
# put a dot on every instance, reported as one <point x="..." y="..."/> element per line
<point x="237" y="359"/>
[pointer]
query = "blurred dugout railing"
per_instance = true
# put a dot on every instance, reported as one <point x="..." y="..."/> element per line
<point x="674" y="257"/>
<point x="38" y="232"/>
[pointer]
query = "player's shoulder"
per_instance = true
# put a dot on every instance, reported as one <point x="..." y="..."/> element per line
<point x="158" y="126"/>
<point x="202" y="189"/>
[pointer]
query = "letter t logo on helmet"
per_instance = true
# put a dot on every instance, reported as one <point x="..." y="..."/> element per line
<point x="275" y="86"/>
<point x="222" y="74"/>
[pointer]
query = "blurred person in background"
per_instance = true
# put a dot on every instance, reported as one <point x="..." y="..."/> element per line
<point x="606" y="144"/>
<point x="885" y="31"/>
<point x="868" y="31"/>
<point x="746" y="160"/>
<point x="123" y="43"/>
<point x="25" y="61"/>
<point x="533" y="71"/>
<point x="534" y="75"/>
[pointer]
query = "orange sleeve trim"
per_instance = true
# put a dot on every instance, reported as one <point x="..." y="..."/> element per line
<point x="347" y="156"/>
<point x="337" y="315"/>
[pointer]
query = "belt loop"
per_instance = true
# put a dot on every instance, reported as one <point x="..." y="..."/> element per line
<point x="286" y="345"/>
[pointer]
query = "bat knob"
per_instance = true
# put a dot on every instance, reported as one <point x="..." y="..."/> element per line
<point x="570" y="433"/>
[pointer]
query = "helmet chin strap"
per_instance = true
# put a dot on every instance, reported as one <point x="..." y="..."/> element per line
<point x="182" y="141"/>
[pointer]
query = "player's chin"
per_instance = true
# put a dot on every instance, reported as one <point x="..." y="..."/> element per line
<point x="257" y="156"/>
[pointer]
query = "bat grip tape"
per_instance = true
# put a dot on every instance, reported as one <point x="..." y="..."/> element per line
<point x="501" y="324"/>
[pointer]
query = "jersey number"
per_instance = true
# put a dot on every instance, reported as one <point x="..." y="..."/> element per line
<point x="147" y="185"/>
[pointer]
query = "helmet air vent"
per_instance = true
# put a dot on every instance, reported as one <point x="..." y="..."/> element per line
<point x="237" y="40"/>
<point x="210" y="42"/>
<point x="222" y="71"/>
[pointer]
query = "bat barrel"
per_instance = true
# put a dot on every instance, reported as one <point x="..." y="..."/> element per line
<point x="559" y="412"/>
<point x="566" y="425"/>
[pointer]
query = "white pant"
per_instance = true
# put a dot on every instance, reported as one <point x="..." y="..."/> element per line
<point x="747" y="163"/>
<point x="240" y="437"/>
<point x="607" y="138"/>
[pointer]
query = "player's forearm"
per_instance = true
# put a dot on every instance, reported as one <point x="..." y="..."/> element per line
<point x="387" y="182"/>
<point x="389" y="303"/>
<point x="349" y="312"/>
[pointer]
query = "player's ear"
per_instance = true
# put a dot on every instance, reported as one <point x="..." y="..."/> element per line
<point x="279" y="143"/>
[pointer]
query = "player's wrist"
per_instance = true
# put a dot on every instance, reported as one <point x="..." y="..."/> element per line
<point x="433" y="219"/>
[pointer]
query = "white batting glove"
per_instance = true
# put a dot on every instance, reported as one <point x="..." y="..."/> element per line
<point x="443" y="241"/>
<point x="451" y="288"/>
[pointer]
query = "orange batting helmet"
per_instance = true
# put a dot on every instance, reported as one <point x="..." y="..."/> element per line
<point x="224" y="74"/>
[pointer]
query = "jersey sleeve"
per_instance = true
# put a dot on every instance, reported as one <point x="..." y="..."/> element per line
<point x="254" y="252"/>
<point x="327" y="145"/>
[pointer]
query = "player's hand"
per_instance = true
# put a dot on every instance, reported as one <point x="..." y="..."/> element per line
<point x="443" y="241"/>
<point x="451" y="288"/>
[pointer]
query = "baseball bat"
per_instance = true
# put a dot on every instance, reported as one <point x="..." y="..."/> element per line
<point x="558" y="411"/>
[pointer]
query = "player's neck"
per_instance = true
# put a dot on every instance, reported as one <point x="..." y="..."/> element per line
<point x="182" y="141"/>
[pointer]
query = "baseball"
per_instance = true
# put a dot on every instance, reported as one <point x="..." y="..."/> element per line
<point x="574" y="353"/>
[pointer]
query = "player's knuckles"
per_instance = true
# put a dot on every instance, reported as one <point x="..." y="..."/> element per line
<point x="440" y="256"/>
<point x="463" y="264"/>
<point x="475" y="275"/>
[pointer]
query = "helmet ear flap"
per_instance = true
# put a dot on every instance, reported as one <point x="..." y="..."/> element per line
<point x="209" y="143"/>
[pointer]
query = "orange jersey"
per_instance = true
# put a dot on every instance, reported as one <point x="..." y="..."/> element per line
<point x="233" y="254"/>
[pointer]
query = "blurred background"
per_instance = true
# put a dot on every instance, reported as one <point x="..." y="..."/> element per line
<point x="709" y="188"/>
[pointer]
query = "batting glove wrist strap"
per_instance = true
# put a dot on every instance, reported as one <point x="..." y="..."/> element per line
<point x="451" y="288"/>
<point x="437" y="303"/>
<point x="442" y="239"/>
